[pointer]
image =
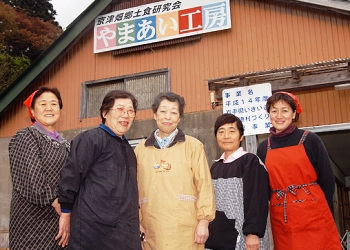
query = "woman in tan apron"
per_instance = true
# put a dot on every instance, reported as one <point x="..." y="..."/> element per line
<point x="301" y="180"/>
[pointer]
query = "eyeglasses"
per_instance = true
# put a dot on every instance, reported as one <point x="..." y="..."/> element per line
<point x="121" y="110"/>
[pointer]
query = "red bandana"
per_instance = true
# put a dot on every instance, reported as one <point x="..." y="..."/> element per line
<point x="28" y="103"/>
<point x="299" y="109"/>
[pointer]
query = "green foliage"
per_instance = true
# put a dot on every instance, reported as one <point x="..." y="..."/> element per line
<point x="10" y="68"/>
<point x="24" y="35"/>
<point x="21" y="34"/>
<point x="42" y="9"/>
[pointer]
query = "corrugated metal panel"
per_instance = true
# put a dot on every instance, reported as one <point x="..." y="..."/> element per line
<point x="156" y="45"/>
<point x="264" y="35"/>
<point x="324" y="106"/>
<point x="131" y="4"/>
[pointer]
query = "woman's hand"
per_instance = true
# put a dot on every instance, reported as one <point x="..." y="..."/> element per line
<point x="142" y="231"/>
<point x="202" y="232"/>
<point x="252" y="242"/>
<point x="63" y="229"/>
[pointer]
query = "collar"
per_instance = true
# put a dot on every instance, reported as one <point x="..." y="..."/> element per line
<point x="287" y="131"/>
<point x="234" y="156"/>
<point x="53" y="134"/>
<point x="165" y="142"/>
<point x="151" y="141"/>
<point x="109" y="131"/>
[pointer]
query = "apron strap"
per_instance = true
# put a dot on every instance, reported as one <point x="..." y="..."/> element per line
<point x="268" y="143"/>
<point x="303" y="137"/>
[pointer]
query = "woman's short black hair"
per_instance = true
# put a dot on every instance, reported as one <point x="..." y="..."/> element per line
<point x="111" y="96"/>
<point x="284" y="97"/>
<point x="228" y="119"/>
<point x="172" y="97"/>
<point x="42" y="90"/>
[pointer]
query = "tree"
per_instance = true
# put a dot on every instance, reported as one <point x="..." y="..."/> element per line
<point x="22" y="39"/>
<point x="25" y="35"/>
<point x="10" y="68"/>
<point x="42" y="9"/>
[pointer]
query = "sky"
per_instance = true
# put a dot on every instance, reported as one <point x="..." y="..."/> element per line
<point x="69" y="10"/>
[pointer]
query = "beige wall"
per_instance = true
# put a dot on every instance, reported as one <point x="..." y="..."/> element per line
<point x="5" y="192"/>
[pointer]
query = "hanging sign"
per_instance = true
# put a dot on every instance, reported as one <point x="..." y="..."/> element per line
<point x="159" y="21"/>
<point x="248" y="104"/>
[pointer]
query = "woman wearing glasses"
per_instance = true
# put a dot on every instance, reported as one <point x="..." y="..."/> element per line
<point x="98" y="187"/>
<point x="175" y="188"/>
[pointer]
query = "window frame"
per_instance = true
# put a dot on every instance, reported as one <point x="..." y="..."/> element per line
<point x="86" y="85"/>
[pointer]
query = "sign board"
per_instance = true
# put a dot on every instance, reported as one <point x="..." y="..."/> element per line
<point x="248" y="104"/>
<point x="159" y="21"/>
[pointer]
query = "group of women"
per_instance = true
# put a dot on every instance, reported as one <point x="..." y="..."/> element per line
<point x="98" y="193"/>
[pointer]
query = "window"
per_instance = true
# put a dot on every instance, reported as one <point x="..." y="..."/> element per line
<point x="145" y="86"/>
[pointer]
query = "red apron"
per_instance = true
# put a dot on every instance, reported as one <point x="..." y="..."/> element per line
<point x="300" y="216"/>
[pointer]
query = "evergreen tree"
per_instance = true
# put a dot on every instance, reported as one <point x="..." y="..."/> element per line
<point x="10" y="68"/>
<point x="42" y="9"/>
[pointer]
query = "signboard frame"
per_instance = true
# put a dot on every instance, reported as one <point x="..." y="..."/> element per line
<point x="248" y="103"/>
<point x="159" y="21"/>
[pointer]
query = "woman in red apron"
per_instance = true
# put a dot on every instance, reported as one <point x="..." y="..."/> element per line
<point x="301" y="180"/>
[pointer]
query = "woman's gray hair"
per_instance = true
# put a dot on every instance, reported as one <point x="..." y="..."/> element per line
<point x="172" y="97"/>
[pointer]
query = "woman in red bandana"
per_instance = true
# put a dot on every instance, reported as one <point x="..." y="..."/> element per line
<point x="301" y="180"/>
<point x="37" y="154"/>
